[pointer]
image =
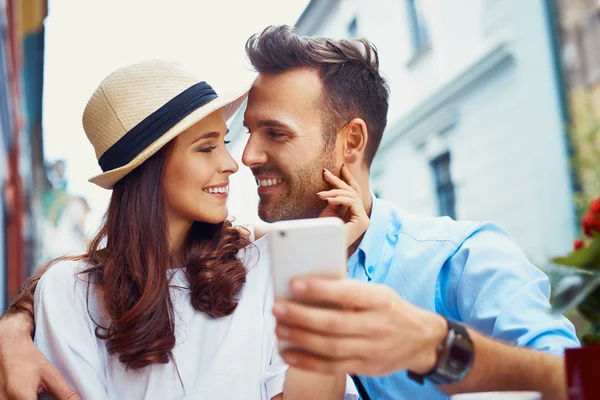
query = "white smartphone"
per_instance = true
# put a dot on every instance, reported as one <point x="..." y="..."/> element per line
<point x="313" y="247"/>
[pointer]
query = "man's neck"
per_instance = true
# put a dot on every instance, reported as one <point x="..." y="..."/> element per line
<point x="365" y="190"/>
<point x="367" y="200"/>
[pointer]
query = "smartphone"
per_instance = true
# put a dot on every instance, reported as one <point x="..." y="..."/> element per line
<point x="314" y="246"/>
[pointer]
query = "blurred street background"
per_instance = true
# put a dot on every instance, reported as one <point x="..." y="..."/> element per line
<point x="494" y="113"/>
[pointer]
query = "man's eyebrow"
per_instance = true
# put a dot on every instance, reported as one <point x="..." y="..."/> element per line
<point x="268" y="123"/>
<point x="272" y="123"/>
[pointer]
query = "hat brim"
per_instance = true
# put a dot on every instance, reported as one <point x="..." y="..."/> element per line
<point x="229" y="103"/>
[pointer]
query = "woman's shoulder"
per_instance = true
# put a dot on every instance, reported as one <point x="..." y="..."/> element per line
<point x="255" y="253"/>
<point x="65" y="269"/>
<point x="253" y="232"/>
<point x="64" y="277"/>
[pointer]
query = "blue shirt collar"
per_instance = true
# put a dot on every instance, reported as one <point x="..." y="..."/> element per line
<point x="377" y="234"/>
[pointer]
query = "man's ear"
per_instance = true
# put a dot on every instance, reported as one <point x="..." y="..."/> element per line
<point x="354" y="136"/>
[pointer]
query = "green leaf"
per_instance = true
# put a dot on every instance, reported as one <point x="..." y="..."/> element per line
<point x="590" y="339"/>
<point x="588" y="257"/>
<point x="590" y="308"/>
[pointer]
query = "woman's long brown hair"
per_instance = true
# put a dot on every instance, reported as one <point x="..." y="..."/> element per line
<point x="128" y="261"/>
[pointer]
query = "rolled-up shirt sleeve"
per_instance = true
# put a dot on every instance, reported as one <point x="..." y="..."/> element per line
<point x="499" y="292"/>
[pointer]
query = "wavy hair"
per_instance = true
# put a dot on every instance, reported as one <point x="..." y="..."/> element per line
<point x="128" y="261"/>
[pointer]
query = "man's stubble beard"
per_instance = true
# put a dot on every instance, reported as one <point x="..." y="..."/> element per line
<point x="300" y="200"/>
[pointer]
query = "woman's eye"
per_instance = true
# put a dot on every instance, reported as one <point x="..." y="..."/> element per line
<point x="207" y="149"/>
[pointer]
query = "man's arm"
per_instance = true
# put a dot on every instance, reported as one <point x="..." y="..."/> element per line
<point x="20" y="311"/>
<point x="24" y="371"/>
<point x="501" y="366"/>
<point x="378" y="333"/>
<point x="497" y="291"/>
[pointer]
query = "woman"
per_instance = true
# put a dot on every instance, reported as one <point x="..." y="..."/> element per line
<point x="169" y="301"/>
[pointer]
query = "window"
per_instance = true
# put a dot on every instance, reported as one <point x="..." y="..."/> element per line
<point x="418" y="27"/>
<point x="353" y="28"/>
<point x="444" y="186"/>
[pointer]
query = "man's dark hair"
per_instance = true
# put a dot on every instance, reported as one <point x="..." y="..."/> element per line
<point x="349" y="72"/>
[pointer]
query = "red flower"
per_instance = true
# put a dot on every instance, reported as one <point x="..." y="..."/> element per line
<point x="586" y="223"/>
<point x="590" y="223"/>
<point x="578" y="244"/>
<point x="595" y="207"/>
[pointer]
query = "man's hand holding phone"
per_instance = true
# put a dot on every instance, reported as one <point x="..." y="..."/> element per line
<point x="318" y="247"/>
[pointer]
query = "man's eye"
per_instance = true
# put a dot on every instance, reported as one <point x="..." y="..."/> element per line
<point x="274" y="134"/>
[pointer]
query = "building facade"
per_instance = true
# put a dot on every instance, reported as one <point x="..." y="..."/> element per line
<point x="476" y="126"/>
<point x="22" y="170"/>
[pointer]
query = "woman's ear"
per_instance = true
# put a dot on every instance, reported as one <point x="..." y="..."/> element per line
<point x="355" y="136"/>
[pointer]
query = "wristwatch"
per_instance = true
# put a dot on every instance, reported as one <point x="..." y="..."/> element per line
<point x="455" y="357"/>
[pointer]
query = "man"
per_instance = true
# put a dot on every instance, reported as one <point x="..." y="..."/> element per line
<point x="321" y="103"/>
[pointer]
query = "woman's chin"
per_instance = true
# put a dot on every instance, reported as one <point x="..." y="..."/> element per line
<point x="215" y="217"/>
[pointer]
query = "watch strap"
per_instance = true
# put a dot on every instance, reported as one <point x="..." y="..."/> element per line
<point x="457" y="333"/>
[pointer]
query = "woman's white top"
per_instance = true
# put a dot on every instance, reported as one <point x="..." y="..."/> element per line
<point x="233" y="357"/>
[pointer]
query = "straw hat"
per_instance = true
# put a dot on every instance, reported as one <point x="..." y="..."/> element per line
<point x="138" y="109"/>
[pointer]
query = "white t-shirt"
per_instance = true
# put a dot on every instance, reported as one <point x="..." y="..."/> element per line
<point x="233" y="357"/>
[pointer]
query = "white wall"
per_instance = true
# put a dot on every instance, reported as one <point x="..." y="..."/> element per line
<point x="243" y="196"/>
<point x="508" y="148"/>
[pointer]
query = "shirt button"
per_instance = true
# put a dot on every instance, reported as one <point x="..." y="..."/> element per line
<point x="371" y="269"/>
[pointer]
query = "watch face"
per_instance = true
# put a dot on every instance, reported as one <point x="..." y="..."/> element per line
<point x="460" y="355"/>
<point x="455" y="359"/>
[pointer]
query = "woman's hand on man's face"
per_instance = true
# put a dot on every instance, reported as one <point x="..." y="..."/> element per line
<point x="345" y="201"/>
